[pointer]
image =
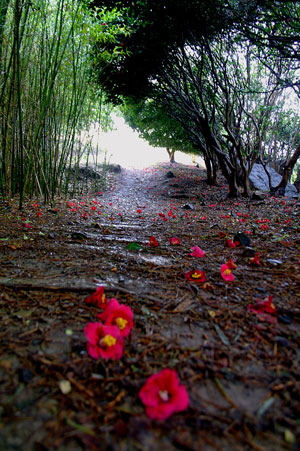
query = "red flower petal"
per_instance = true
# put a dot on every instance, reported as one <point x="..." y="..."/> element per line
<point x="97" y="298"/>
<point x="230" y="243"/>
<point x="174" y="240"/>
<point x="254" y="261"/>
<point x="163" y="395"/>
<point x="119" y="315"/>
<point x="264" y="306"/>
<point x="153" y="242"/>
<point x="231" y="264"/>
<point x="226" y="273"/>
<point x="195" y="275"/>
<point x="104" y="341"/>
<point x="197" y="252"/>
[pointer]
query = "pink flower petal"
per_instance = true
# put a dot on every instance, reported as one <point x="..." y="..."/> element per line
<point x="163" y="395"/>
<point x="197" y="252"/>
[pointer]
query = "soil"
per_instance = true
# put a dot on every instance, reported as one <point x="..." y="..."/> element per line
<point x="240" y="368"/>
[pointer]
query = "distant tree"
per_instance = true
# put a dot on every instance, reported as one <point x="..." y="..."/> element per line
<point x="153" y="122"/>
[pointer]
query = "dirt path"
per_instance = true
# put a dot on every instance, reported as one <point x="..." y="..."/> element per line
<point x="241" y="370"/>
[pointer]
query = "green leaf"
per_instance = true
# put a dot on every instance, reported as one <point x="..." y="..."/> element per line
<point x="134" y="247"/>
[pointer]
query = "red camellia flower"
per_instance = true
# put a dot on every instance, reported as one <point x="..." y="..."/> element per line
<point x="264" y="306"/>
<point x="254" y="261"/>
<point x="119" y="315"/>
<point x="226" y="273"/>
<point x="104" y="341"/>
<point x="195" y="275"/>
<point x="174" y="240"/>
<point x="197" y="252"/>
<point x="163" y="395"/>
<point x="153" y="242"/>
<point x="231" y="264"/>
<point x="265" y="310"/>
<point x="230" y="243"/>
<point x="98" y="298"/>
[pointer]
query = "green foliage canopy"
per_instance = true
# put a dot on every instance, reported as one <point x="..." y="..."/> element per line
<point x="154" y="124"/>
<point x="159" y="27"/>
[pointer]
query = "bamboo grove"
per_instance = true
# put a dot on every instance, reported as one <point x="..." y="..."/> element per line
<point x="46" y="94"/>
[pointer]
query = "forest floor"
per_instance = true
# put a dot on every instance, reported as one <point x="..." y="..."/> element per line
<point x="240" y="366"/>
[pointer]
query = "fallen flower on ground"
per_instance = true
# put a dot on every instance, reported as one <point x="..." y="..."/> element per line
<point x="226" y="273"/>
<point x="254" y="261"/>
<point x="104" y="341"/>
<point x="153" y="242"/>
<point x="230" y="243"/>
<point x="174" y="240"/>
<point x="27" y="225"/>
<point x="197" y="252"/>
<point x="119" y="315"/>
<point x="163" y="395"/>
<point x="263" y="306"/>
<point x="231" y="264"/>
<point x="195" y="275"/>
<point x="98" y="298"/>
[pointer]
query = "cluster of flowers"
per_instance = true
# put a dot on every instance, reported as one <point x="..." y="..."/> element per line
<point x="162" y="394"/>
<point x="196" y="275"/>
<point x="105" y="339"/>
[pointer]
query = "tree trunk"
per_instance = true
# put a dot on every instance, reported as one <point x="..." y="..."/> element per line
<point x="233" y="188"/>
<point x="230" y="175"/>
<point x="209" y="172"/>
<point x="171" y="154"/>
<point x="215" y="173"/>
<point x="287" y="170"/>
<point x="246" y="186"/>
